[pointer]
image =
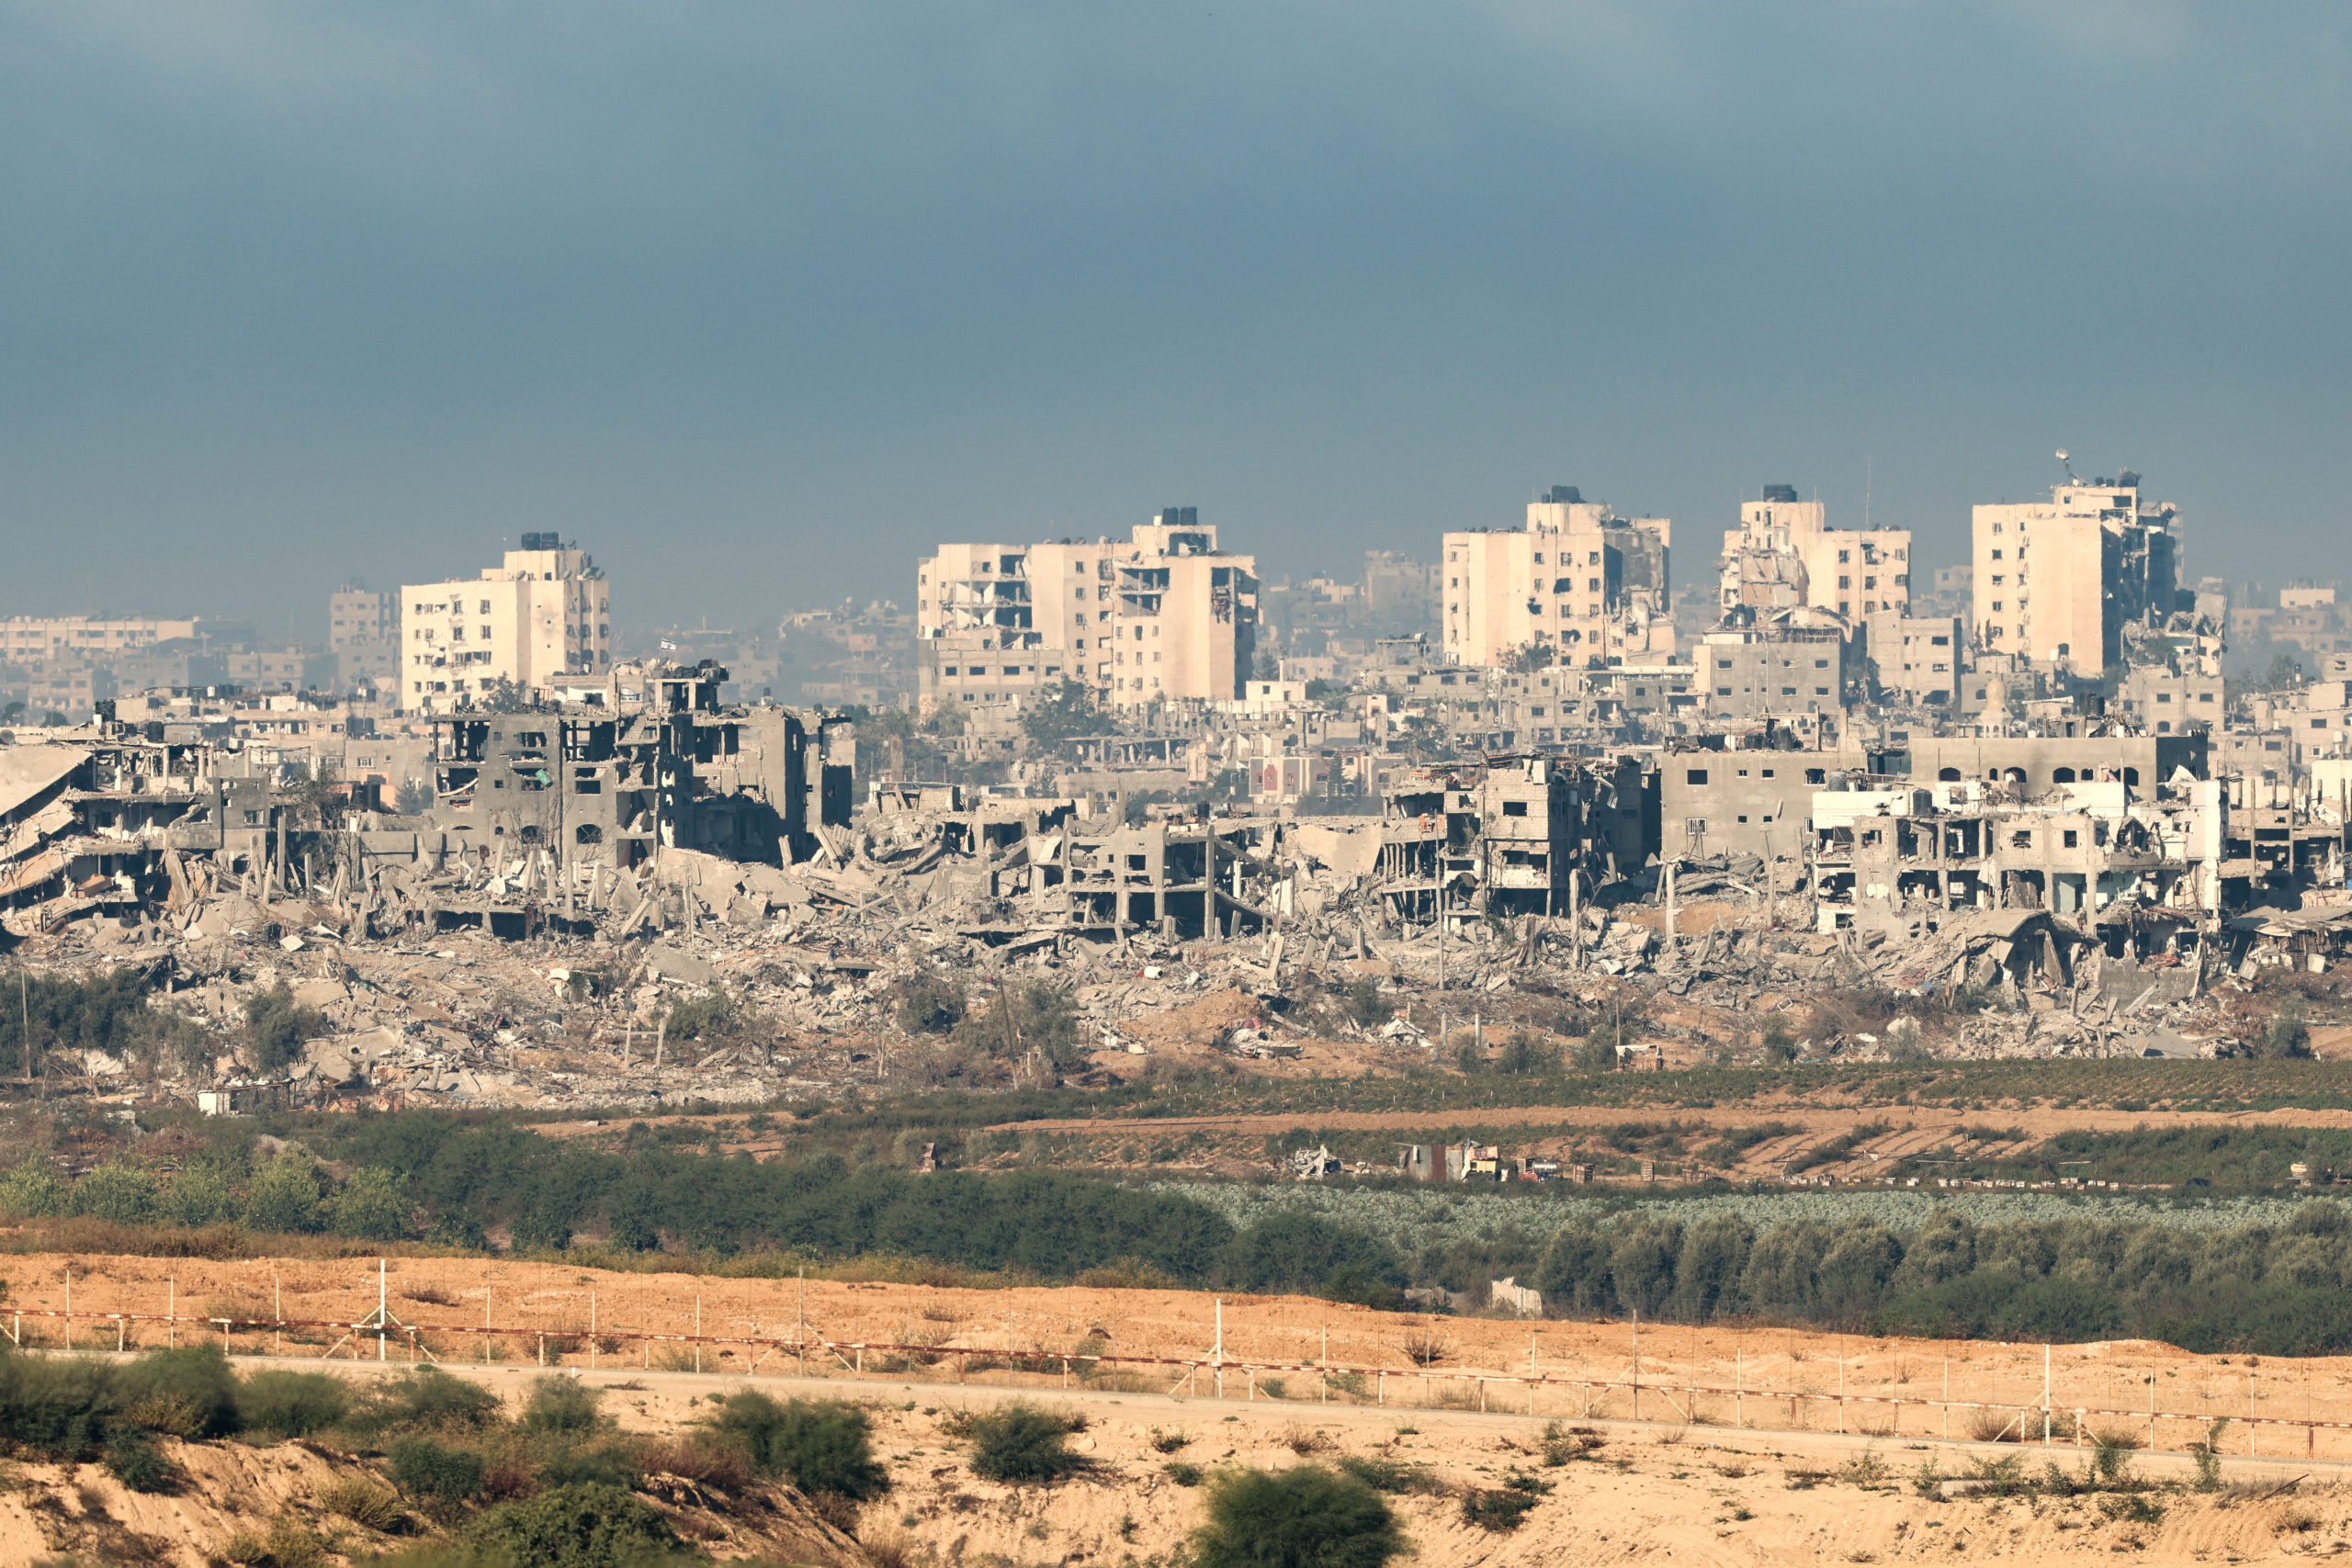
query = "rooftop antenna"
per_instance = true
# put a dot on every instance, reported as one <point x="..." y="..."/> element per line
<point x="1866" y="495"/>
<point x="2069" y="467"/>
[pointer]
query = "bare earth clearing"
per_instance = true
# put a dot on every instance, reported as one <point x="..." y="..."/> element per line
<point x="1673" y="1485"/>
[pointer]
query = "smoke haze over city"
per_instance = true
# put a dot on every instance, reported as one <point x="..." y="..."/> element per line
<point x="757" y="302"/>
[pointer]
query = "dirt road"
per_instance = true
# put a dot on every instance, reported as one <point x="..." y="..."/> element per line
<point x="2036" y="1121"/>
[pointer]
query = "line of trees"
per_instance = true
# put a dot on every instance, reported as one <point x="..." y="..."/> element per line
<point x="2278" y="1291"/>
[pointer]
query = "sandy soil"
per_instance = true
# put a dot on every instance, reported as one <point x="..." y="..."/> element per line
<point x="1646" y="1491"/>
<point x="1746" y="1375"/>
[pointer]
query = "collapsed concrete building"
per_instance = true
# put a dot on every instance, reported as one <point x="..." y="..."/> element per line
<point x="2077" y="850"/>
<point x="538" y="813"/>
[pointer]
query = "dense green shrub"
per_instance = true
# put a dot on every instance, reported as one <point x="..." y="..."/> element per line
<point x="929" y="1003"/>
<point x="119" y="1193"/>
<point x="189" y="1393"/>
<point x="572" y="1526"/>
<point x="1019" y="1444"/>
<point x="276" y="1028"/>
<point x="289" y="1193"/>
<point x="291" y="1404"/>
<point x="31" y="1190"/>
<point x="200" y="1194"/>
<point x="133" y="1458"/>
<point x="822" y="1446"/>
<point x="433" y="1471"/>
<point x="2278" y="1291"/>
<point x="426" y="1399"/>
<point x="370" y="1206"/>
<point x="563" y="1459"/>
<point x="716" y="1016"/>
<point x="1295" y="1253"/>
<point x="563" y="1403"/>
<point x="106" y="1013"/>
<point x="65" y="1407"/>
<point x="1304" y="1517"/>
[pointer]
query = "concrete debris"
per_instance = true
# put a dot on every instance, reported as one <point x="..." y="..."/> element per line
<point x="662" y="899"/>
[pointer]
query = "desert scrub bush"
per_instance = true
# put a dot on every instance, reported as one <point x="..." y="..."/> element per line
<point x="368" y="1506"/>
<point x="1427" y="1347"/>
<point x="702" y="1460"/>
<point x="1019" y="1444"/>
<point x="428" y="1399"/>
<point x="1183" y="1474"/>
<point x="187" y="1393"/>
<point x="1382" y="1473"/>
<point x="62" y="1408"/>
<point x="563" y="1459"/>
<point x="1175" y="1440"/>
<point x="1561" y="1444"/>
<point x="2111" y="1450"/>
<point x="291" y="1404"/>
<point x="572" y="1526"/>
<point x="2132" y="1508"/>
<point x="1867" y="1471"/>
<point x="559" y="1402"/>
<point x="2208" y="1454"/>
<point x="1307" y="1517"/>
<point x="2002" y="1477"/>
<point x="133" y="1458"/>
<point x="1500" y="1509"/>
<point x="1305" y="1440"/>
<point x="434" y="1473"/>
<point x="929" y="1003"/>
<point x="824" y="1446"/>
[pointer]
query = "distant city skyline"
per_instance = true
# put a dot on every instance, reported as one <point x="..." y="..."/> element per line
<point x="755" y="303"/>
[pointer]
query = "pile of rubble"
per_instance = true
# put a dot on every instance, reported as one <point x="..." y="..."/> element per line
<point x="676" y="901"/>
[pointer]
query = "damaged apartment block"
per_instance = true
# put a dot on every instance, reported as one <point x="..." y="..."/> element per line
<point x="1516" y="836"/>
<point x="585" y="795"/>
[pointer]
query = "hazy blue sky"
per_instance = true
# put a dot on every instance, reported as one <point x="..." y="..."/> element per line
<point x="755" y="300"/>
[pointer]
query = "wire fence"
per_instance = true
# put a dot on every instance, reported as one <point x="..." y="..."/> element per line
<point x="1740" y="1403"/>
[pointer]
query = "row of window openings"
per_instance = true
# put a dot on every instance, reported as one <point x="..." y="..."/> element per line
<point x="1699" y="776"/>
<point x="980" y="672"/>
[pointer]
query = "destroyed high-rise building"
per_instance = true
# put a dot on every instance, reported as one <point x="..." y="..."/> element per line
<point x="1784" y="553"/>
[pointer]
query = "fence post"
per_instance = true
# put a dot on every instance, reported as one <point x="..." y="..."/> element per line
<point x="1739" y="1388"/>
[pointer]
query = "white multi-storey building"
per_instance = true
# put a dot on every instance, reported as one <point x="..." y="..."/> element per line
<point x="543" y="613"/>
